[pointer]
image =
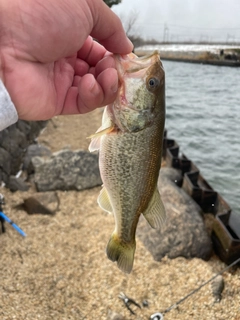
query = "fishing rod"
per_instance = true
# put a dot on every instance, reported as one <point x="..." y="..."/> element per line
<point x="159" y="315"/>
<point x="4" y="217"/>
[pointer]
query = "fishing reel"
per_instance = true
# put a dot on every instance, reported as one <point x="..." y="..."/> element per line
<point x="156" y="316"/>
<point x="2" y="201"/>
<point x="4" y="217"/>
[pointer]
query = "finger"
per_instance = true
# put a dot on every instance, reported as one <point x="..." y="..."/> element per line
<point x="91" y="93"/>
<point x="108" y="29"/>
<point x="76" y="81"/>
<point x="97" y="93"/>
<point x="106" y="63"/>
<point x="108" y="80"/>
<point x="81" y="67"/>
<point x="91" y="52"/>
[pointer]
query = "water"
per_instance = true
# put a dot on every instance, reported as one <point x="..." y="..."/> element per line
<point x="203" y="116"/>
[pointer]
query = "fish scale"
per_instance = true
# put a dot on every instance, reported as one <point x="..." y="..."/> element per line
<point x="130" y="149"/>
<point x="132" y="167"/>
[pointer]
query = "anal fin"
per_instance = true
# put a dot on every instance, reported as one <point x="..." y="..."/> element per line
<point x="104" y="200"/>
<point x="155" y="213"/>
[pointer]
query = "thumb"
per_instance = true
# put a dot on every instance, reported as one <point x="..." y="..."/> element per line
<point x="108" y="29"/>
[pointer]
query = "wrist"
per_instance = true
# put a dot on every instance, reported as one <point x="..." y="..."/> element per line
<point x="8" y="113"/>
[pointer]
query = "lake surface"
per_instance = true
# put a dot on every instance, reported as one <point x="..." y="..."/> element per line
<point x="203" y="116"/>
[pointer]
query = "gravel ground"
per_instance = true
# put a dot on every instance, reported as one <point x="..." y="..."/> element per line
<point x="60" y="270"/>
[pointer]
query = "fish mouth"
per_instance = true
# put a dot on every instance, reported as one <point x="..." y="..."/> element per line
<point x="138" y="68"/>
<point x="132" y="66"/>
<point x="135" y="66"/>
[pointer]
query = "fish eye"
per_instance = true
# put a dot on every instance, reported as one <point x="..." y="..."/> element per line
<point x="153" y="83"/>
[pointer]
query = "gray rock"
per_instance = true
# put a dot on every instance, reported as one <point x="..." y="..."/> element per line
<point x="217" y="288"/>
<point x="15" y="184"/>
<point x="114" y="316"/>
<point x="184" y="233"/>
<point x="173" y="174"/>
<point x="67" y="170"/>
<point x="34" y="150"/>
<point x="5" y="161"/>
<point x="13" y="144"/>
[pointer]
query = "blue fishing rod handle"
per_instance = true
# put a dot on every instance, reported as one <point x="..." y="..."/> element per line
<point x="12" y="224"/>
<point x="22" y="233"/>
<point x="5" y="217"/>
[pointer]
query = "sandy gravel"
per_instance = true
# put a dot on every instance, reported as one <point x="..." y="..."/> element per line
<point x="60" y="270"/>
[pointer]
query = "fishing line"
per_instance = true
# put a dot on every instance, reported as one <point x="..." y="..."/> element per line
<point x="160" y="315"/>
<point x="202" y="285"/>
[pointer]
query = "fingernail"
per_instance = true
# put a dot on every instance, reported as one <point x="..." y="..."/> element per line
<point x="114" y="87"/>
<point x="93" y="87"/>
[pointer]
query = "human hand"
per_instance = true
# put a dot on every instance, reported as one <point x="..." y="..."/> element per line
<point x="49" y="63"/>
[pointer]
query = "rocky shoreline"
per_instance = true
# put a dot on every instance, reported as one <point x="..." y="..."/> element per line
<point x="60" y="270"/>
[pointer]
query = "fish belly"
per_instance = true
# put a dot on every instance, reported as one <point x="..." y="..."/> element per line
<point x="129" y="166"/>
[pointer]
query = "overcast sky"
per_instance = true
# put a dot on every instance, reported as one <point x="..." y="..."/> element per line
<point x="184" y="19"/>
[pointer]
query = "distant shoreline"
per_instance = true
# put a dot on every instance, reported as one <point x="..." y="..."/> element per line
<point x="204" y="54"/>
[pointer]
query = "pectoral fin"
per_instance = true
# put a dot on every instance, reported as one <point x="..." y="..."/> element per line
<point x="104" y="201"/>
<point x="96" y="138"/>
<point x="155" y="213"/>
<point x="101" y="132"/>
<point x="106" y="127"/>
<point x="94" y="144"/>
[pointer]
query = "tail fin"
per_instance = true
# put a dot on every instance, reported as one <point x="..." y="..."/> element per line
<point x="121" y="252"/>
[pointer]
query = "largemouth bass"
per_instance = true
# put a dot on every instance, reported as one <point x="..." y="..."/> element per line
<point x="130" y="150"/>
